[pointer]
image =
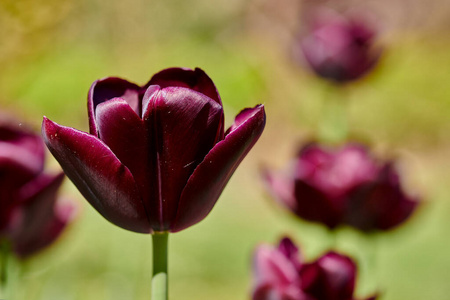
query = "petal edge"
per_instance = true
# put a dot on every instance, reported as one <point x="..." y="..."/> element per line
<point x="100" y="177"/>
<point x="212" y="174"/>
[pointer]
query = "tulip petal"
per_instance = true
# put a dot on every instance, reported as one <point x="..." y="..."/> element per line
<point x="48" y="233"/>
<point x="290" y="250"/>
<point x="183" y="126"/>
<point x="123" y="131"/>
<point x="210" y="177"/>
<point x="108" y="88"/>
<point x="332" y="276"/>
<point x="281" y="186"/>
<point x="271" y="266"/>
<point x="38" y="198"/>
<point x="313" y="205"/>
<point x="21" y="159"/>
<point x="21" y="149"/>
<point x="275" y="276"/>
<point x="100" y="177"/>
<point x="381" y="204"/>
<point x="196" y="80"/>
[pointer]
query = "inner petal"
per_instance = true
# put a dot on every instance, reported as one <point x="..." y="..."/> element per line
<point x="124" y="132"/>
<point x="112" y="87"/>
<point x="185" y="126"/>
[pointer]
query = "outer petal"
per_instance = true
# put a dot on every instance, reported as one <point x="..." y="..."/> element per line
<point x="275" y="277"/>
<point x="335" y="171"/>
<point x="38" y="198"/>
<point x="21" y="159"/>
<point x="332" y="276"/>
<point x="290" y="250"/>
<point x="281" y="186"/>
<point x="37" y="222"/>
<point x="104" y="89"/>
<point x="313" y="205"/>
<point x="62" y="215"/>
<point x="100" y="177"/>
<point x="21" y="149"/>
<point x="210" y="177"/>
<point x="182" y="125"/>
<point x="381" y="204"/>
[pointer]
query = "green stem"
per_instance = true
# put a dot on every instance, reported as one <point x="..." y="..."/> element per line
<point x="372" y="252"/>
<point x="331" y="239"/>
<point x="160" y="280"/>
<point x="333" y="127"/>
<point x="4" y="259"/>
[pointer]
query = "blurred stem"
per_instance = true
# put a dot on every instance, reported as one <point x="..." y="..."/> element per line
<point x="371" y="245"/>
<point x="4" y="260"/>
<point x="160" y="282"/>
<point x="333" y="126"/>
<point x="332" y="239"/>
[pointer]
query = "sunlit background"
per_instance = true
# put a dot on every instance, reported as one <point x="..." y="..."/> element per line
<point x="51" y="51"/>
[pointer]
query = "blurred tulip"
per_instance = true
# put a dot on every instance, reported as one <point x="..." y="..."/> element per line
<point x="342" y="186"/>
<point x="339" y="48"/>
<point x="380" y="203"/>
<point x="157" y="157"/>
<point x="30" y="218"/>
<point x="279" y="273"/>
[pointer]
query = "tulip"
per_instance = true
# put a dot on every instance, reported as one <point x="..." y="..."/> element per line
<point x="342" y="186"/>
<point x="30" y="217"/>
<point x="279" y="273"/>
<point x="380" y="203"/>
<point x="157" y="156"/>
<point x="339" y="48"/>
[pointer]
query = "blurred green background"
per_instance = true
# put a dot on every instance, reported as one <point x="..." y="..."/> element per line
<point x="51" y="51"/>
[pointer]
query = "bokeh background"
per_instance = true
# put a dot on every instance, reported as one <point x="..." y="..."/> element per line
<point x="51" y="51"/>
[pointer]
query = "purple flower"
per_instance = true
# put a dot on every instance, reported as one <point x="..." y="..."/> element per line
<point x="379" y="203"/>
<point x="157" y="157"/>
<point x="30" y="218"/>
<point x="339" y="48"/>
<point x="342" y="186"/>
<point x="279" y="273"/>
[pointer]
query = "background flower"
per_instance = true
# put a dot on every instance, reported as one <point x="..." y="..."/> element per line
<point x="31" y="219"/>
<point x="280" y="273"/>
<point x="339" y="48"/>
<point x="342" y="186"/>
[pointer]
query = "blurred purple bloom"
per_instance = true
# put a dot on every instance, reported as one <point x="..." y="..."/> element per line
<point x="157" y="157"/>
<point x="279" y="273"/>
<point x="30" y="218"/>
<point x="342" y="186"/>
<point x="339" y="48"/>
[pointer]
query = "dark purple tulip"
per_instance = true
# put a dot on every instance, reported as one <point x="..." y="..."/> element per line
<point x="331" y="277"/>
<point x="342" y="186"/>
<point x="157" y="157"/>
<point x="339" y="48"/>
<point x="276" y="272"/>
<point x="380" y="203"/>
<point x="30" y="219"/>
<point x="280" y="274"/>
